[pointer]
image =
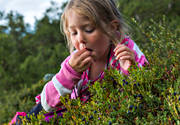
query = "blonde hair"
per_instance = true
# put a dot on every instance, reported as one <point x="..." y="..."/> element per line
<point x="99" y="12"/>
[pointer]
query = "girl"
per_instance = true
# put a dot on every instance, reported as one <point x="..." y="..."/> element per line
<point x="95" y="33"/>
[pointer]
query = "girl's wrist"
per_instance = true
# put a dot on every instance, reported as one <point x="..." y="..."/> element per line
<point x="72" y="70"/>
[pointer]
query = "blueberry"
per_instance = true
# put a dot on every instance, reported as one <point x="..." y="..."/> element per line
<point x="110" y="123"/>
<point x="140" y="96"/>
<point x="91" y="117"/>
<point x="114" y="107"/>
<point x="130" y="107"/>
<point x="83" y="119"/>
<point x="135" y="96"/>
<point x="114" y="82"/>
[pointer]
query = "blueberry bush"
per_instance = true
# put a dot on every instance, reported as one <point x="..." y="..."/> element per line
<point x="148" y="95"/>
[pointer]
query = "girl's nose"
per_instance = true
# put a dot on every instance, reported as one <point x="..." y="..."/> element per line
<point x="81" y="38"/>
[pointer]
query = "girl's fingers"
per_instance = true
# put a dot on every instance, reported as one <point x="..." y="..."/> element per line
<point x="120" y="49"/>
<point x="124" y="53"/>
<point x="85" y="67"/>
<point x="81" y="60"/>
<point x="75" y="58"/>
<point x="124" y="58"/>
<point x="84" y="55"/>
<point x="119" y="46"/>
<point x="86" y="63"/>
<point x="125" y="64"/>
<point x="80" y="52"/>
<point x="78" y="58"/>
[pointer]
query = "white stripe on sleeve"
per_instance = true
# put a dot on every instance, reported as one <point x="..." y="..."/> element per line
<point x="60" y="88"/>
<point x="138" y="51"/>
<point x="43" y="100"/>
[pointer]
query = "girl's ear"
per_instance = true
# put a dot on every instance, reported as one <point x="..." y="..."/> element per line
<point x="114" y="25"/>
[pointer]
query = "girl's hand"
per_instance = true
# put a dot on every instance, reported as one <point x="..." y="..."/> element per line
<point x="81" y="60"/>
<point x="124" y="55"/>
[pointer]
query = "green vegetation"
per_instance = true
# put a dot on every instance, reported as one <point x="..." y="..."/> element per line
<point x="149" y="95"/>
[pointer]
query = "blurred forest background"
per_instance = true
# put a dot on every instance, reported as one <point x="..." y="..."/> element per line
<point x="26" y="56"/>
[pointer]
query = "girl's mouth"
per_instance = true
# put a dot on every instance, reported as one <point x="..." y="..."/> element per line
<point x="83" y="46"/>
<point x="89" y="49"/>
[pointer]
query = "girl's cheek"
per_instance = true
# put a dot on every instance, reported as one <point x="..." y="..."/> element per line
<point x="77" y="46"/>
<point x="74" y="44"/>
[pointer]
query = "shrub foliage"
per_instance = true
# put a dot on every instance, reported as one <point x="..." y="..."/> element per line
<point x="149" y="95"/>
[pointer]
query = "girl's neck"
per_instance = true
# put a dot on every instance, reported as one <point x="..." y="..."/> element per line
<point x="95" y="70"/>
<point x="104" y="57"/>
<point x="99" y="65"/>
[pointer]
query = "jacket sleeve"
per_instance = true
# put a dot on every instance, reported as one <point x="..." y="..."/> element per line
<point x="60" y="85"/>
<point x="139" y="56"/>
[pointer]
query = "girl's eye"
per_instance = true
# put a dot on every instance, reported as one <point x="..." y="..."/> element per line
<point x="73" y="33"/>
<point x="89" y="30"/>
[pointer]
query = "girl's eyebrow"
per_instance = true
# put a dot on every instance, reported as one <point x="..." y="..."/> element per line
<point x="81" y="26"/>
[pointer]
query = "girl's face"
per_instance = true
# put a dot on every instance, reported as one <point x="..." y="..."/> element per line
<point x="84" y="35"/>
